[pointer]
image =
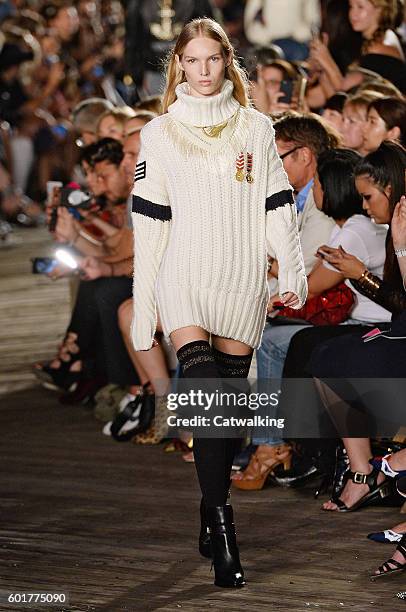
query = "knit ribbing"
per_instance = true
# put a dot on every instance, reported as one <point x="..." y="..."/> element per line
<point x="207" y="266"/>
<point x="204" y="111"/>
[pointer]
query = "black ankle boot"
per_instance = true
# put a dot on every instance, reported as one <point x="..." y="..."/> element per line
<point x="226" y="560"/>
<point x="204" y="536"/>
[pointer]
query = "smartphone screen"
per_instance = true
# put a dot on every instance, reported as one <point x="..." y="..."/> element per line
<point x="43" y="265"/>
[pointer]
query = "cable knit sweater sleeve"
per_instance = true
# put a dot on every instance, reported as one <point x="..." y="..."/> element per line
<point x="151" y="215"/>
<point x="282" y="232"/>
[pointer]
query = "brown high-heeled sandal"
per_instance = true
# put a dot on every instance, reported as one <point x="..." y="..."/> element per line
<point x="262" y="463"/>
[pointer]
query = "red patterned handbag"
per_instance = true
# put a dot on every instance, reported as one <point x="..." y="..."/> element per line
<point x="329" y="308"/>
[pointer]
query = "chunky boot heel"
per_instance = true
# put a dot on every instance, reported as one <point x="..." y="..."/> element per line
<point x="226" y="560"/>
<point x="204" y="536"/>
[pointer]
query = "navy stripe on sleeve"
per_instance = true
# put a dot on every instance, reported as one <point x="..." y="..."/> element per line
<point x="279" y="199"/>
<point x="149" y="209"/>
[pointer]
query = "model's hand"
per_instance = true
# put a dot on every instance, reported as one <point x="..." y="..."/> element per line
<point x="289" y="299"/>
<point x="349" y="265"/>
<point x="398" y="224"/>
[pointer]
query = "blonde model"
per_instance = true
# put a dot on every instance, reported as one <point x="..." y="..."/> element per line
<point x="211" y="198"/>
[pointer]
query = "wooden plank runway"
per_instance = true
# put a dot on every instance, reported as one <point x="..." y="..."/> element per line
<point x="116" y="525"/>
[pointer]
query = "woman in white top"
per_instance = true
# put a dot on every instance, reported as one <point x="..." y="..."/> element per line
<point x="210" y="194"/>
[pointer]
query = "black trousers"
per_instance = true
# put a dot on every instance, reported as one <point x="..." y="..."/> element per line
<point x="95" y="320"/>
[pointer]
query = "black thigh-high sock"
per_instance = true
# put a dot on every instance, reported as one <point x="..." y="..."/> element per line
<point x="197" y="361"/>
<point x="231" y="366"/>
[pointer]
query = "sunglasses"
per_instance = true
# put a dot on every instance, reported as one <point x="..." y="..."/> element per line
<point x="290" y="152"/>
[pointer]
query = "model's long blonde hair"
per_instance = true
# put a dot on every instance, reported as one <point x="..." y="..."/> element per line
<point x="209" y="29"/>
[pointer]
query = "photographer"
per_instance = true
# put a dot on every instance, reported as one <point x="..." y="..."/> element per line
<point x="99" y="354"/>
<point x="112" y="240"/>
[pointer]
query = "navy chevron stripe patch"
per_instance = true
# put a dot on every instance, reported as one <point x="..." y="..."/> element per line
<point x="150" y="209"/>
<point x="140" y="171"/>
<point x="279" y="199"/>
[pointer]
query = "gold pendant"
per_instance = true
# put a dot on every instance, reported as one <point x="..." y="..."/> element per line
<point x="240" y="175"/>
<point x="250" y="178"/>
<point x="214" y="131"/>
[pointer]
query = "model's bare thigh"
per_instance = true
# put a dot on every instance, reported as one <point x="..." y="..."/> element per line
<point x="232" y="347"/>
<point x="184" y="335"/>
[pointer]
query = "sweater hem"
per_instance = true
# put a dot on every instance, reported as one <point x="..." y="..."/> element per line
<point x="238" y="317"/>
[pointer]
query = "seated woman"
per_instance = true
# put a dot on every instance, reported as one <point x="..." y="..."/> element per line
<point x="380" y="179"/>
<point x="374" y="20"/>
<point x="335" y="194"/>
<point x="386" y="121"/>
<point x="152" y="369"/>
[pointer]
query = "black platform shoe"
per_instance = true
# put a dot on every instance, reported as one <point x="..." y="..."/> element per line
<point x="204" y="536"/>
<point x="226" y="560"/>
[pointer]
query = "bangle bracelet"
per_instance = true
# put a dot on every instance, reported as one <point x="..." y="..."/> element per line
<point x="400" y="252"/>
<point x="363" y="275"/>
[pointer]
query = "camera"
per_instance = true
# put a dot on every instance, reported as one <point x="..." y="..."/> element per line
<point x="73" y="199"/>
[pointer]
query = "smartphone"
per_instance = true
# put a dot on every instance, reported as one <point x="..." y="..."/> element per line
<point x="51" y="185"/>
<point x="43" y="265"/>
<point x="287" y="89"/>
<point x="59" y="130"/>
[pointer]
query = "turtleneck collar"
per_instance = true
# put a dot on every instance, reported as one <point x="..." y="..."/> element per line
<point x="204" y="112"/>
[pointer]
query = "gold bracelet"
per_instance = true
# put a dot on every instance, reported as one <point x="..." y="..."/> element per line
<point x="363" y="275"/>
<point x="368" y="280"/>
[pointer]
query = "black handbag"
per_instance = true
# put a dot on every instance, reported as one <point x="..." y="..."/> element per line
<point x="135" y="418"/>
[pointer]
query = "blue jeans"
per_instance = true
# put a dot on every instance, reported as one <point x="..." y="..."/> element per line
<point x="270" y="360"/>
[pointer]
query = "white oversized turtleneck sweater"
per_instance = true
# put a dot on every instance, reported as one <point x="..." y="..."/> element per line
<point x="201" y="236"/>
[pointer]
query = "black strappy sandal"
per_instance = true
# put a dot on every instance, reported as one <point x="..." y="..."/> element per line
<point x="386" y="570"/>
<point x="376" y="491"/>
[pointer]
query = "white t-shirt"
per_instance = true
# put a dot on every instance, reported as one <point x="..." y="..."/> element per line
<point x="364" y="239"/>
<point x="392" y="40"/>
